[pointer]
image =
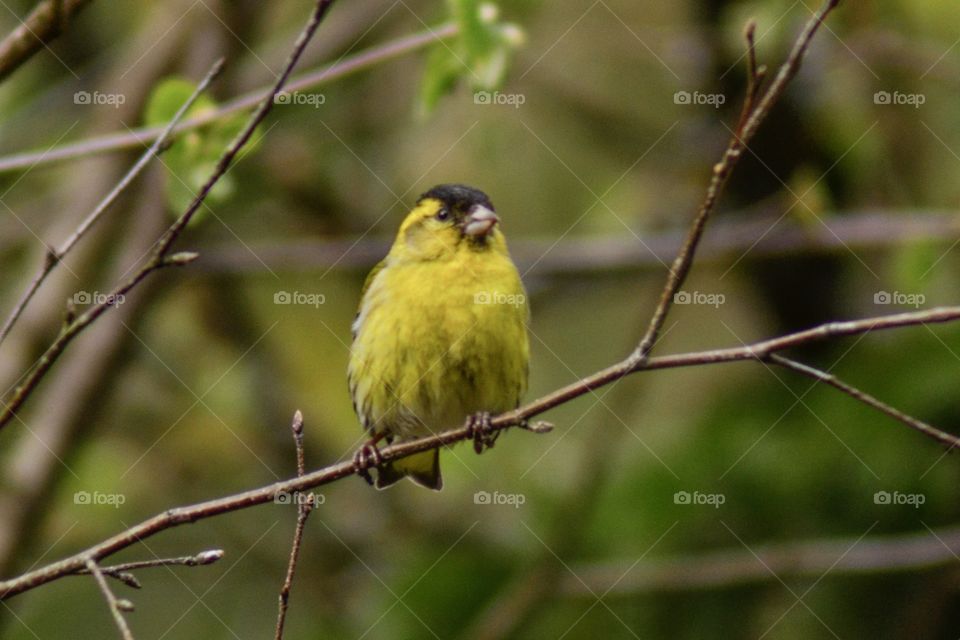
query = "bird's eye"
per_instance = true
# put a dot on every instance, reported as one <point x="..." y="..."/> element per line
<point x="443" y="214"/>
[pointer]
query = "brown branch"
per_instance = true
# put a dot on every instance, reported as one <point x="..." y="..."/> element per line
<point x="304" y="508"/>
<point x="134" y="138"/>
<point x="735" y="567"/>
<point x="159" y="257"/>
<point x="867" y="229"/>
<point x="122" y="573"/>
<point x="723" y="169"/>
<point x="47" y="21"/>
<point x="53" y="256"/>
<point x="117" y="607"/>
<point x="866" y="398"/>
<point x="758" y="351"/>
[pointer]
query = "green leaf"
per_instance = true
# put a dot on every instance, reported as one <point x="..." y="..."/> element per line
<point x="480" y="53"/>
<point x="194" y="154"/>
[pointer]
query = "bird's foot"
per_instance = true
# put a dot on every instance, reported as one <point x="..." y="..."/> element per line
<point x="483" y="434"/>
<point x="367" y="456"/>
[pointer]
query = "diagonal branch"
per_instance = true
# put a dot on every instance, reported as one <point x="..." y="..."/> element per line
<point x="865" y="398"/>
<point x="160" y="257"/>
<point x="758" y="351"/>
<point x="134" y="138"/>
<point x="55" y="256"/>
<point x="47" y="21"/>
<point x="757" y="111"/>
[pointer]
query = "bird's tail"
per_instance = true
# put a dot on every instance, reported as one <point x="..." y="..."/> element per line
<point x="422" y="468"/>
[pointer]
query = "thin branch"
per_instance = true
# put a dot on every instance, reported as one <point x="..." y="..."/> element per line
<point x="304" y="508"/>
<point x="116" y="606"/>
<point x="735" y="567"/>
<point x="122" y="573"/>
<point x="758" y="351"/>
<point x="159" y="258"/>
<point x="47" y="21"/>
<point x="866" y="398"/>
<point x="53" y="256"/>
<point x="723" y="169"/>
<point x="134" y="138"/>
<point x="755" y="74"/>
<point x="868" y="229"/>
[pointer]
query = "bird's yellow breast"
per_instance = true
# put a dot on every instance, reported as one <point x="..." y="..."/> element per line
<point x="437" y="340"/>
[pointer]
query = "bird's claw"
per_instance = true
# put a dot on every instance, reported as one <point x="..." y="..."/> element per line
<point x="480" y="429"/>
<point x="367" y="456"/>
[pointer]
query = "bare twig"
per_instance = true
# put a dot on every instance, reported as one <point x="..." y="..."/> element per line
<point x="134" y="138"/>
<point x="723" y="169"/>
<point x="866" y="398"/>
<point x="53" y="256"/>
<point x="117" y="607"/>
<point x="755" y="75"/>
<point x="47" y="21"/>
<point x="758" y="351"/>
<point x="304" y="507"/>
<point x="122" y="571"/>
<point x="159" y="257"/>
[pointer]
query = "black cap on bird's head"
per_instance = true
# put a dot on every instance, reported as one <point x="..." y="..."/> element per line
<point x="469" y="207"/>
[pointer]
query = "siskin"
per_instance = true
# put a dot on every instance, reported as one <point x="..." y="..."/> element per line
<point x="440" y="333"/>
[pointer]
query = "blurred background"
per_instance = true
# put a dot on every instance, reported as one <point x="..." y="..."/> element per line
<point x="727" y="501"/>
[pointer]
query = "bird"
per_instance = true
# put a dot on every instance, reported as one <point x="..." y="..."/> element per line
<point x="440" y="334"/>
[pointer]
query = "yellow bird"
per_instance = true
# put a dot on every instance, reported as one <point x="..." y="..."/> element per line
<point x="440" y="334"/>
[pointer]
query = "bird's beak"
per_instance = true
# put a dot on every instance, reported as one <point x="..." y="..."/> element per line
<point x="479" y="221"/>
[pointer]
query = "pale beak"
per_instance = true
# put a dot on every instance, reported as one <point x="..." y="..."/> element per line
<point x="479" y="221"/>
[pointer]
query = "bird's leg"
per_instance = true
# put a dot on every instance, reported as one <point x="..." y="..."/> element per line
<point x="478" y="427"/>
<point x="368" y="456"/>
